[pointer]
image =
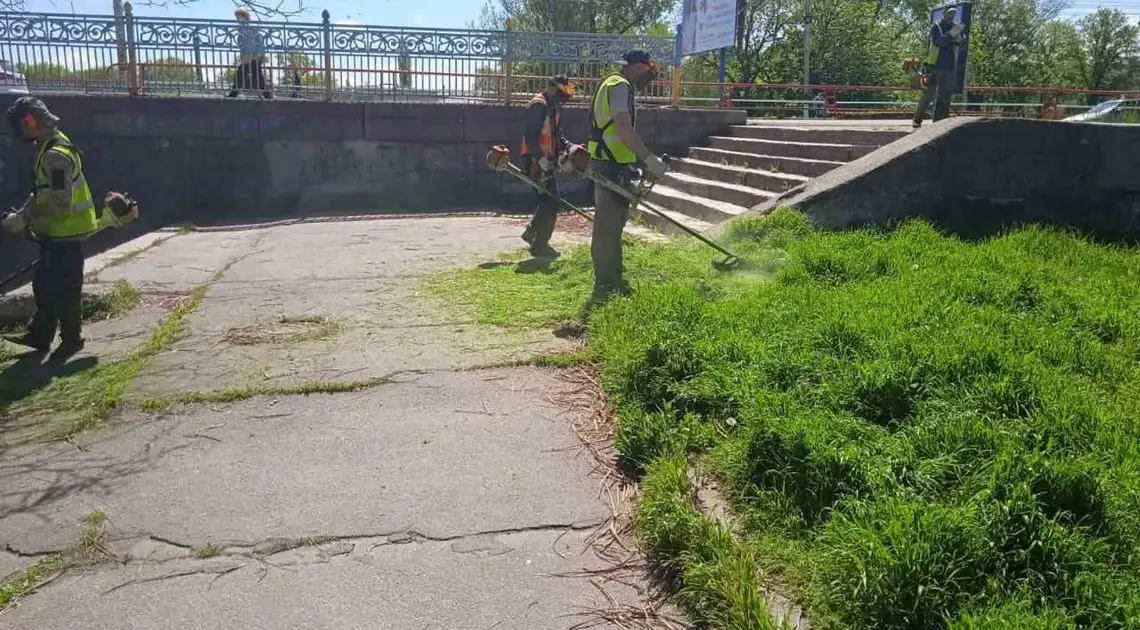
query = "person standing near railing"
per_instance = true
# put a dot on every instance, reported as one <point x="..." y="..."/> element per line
<point x="251" y="48"/>
<point x="941" y="65"/>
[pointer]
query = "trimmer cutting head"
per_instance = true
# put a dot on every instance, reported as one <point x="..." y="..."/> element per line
<point x="732" y="263"/>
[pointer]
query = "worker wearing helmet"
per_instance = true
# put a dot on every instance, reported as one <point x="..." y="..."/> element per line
<point x="59" y="215"/>
<point x="542" y="143"/>
<point x="615" y="147"/>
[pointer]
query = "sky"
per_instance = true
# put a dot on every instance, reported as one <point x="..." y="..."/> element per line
<point x="426" y="13"/>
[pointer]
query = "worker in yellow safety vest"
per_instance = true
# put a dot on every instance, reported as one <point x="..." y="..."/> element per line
<point x="542" y="142"/>
<point x="59" y="214"/>
<point x="615" y="147"/>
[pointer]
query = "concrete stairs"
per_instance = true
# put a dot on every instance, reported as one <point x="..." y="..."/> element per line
<point x="754" y="163"/>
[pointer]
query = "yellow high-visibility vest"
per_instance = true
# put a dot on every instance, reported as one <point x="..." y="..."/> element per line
<point x="604" y="142"/>
<point x="81" y="219"/>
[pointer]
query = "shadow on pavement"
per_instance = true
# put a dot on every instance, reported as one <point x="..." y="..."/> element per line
<point x="29" y="373"/>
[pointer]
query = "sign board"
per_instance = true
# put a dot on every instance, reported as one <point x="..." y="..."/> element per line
<point x="708" y="25"/>
<point x="964" y="17"/>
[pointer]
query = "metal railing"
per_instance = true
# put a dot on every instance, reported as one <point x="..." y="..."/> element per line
<point x="327" y="61"/>
<point x="128" y="54"/>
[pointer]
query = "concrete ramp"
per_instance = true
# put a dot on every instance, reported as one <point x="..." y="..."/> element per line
<point x="975" y="177"/>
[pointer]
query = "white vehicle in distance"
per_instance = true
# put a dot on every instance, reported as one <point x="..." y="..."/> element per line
<point x="1118" y="110"/>
<point x="11" y="80"/>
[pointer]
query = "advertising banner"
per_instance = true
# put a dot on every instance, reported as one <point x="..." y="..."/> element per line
<point x="708" y="25"/>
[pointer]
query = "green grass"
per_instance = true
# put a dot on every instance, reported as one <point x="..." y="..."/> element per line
<point x="121" y="298"/>
<point x="70" y="404"/>
<point x="913" y="431"/>
<point x="23" y="582"/>
<point x="245" y="393"/>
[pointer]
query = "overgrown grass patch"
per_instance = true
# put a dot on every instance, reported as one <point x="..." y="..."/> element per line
<point x="944" y="431"/>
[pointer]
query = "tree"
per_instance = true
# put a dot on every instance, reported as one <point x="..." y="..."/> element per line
<point x="260" y="8"/>
<point x="599" y="16"/>
<point x="301" y="63"/>
<point x="404" y="63"/>
<point x="170" y="70"/>
<point x="1105" y="49"/>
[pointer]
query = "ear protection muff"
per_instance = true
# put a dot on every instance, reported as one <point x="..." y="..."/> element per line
<point x="30" y="122"/>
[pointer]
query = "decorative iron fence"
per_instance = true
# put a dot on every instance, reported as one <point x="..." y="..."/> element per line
<point x="325" y="61"/>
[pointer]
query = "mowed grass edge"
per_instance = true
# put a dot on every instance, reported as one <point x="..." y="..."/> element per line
<point x="913" y="431"/>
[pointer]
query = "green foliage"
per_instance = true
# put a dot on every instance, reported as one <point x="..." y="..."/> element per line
<point x="945" y="430"/>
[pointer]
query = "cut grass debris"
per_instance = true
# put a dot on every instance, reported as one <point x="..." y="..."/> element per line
<point x="914" y="431"/>
<point x="245" y="393"/>
<point x="284" y="330"/>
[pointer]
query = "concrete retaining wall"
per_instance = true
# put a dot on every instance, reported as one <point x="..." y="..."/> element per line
<point x="205" y="160"/>
<point x="975" y="177"/>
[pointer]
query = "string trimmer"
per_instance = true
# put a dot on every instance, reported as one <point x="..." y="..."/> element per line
<point x="636" y="198"/>
<point x="499" y="159"/>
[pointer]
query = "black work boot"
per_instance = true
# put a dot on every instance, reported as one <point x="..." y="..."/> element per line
<point x="543" y="250"/>
<point x="68" y="348"/>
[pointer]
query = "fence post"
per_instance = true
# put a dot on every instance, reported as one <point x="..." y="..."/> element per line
<point x="132" y="52"/>
<point x="507" y="55"/>
<point x="120" y="37"/>
<point x="197" y="58"/>
<point x="327" y="28"/>
<point x="678" y="63"/>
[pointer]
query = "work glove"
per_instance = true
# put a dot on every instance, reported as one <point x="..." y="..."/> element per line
<point x="546" y="164"/>
<point x="655" y="166"/>
<point x="956" y="30"/>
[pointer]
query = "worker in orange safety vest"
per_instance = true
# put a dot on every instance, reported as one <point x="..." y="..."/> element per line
<point x="542" y="142"/>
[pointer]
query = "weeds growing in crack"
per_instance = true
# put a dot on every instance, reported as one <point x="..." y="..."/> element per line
<point x="160" y="404"/>
<point x="26" y="581"/>
<point x="127" y="257"/>
<point x="209" y="550"/>
<point x="102" y="306"/>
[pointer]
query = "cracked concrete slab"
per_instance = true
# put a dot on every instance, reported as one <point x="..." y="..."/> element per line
<point x="382" y="326"/>
<point x="182" y="263"/>
<point x="361" y="584"/>
<point x="366" y="275"/>
<point x="442" y="453"/>
<point x="440" y="499"/>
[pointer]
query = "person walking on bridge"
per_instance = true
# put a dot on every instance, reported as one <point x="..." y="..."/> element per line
<point x="542" y="143"/>
<point x="59" y="215"/>
<point x="250" y="74"/>
<point x="615" y="147"/>
<point x="940" y="66"/>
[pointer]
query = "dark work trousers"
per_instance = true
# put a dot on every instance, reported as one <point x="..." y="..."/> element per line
<point x="58" y="290"/>
<point x="611" y="212"/>
<point x="541" y="226"/>
<point x="939" y="88"/>
<point x="249" y="76"/>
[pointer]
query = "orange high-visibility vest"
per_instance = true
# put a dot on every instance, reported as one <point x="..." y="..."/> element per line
<point x="546" y="136"/>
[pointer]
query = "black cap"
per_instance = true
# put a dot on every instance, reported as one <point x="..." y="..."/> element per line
<point x="34" y="106"/>
<point x="635" y="56"/>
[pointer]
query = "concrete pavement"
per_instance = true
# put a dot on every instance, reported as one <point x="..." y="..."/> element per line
<point x="447" y="495"/>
